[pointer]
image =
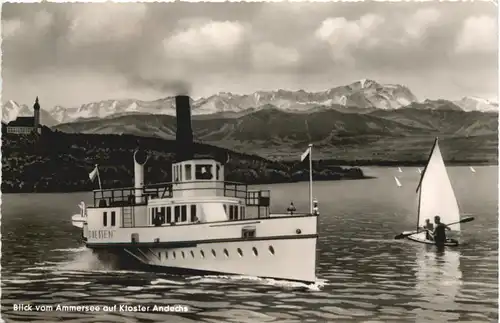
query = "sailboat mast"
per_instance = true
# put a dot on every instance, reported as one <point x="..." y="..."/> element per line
<point x="418" y="210"/>
<point x="419" y="188"/>
<point x="428" y="160"/>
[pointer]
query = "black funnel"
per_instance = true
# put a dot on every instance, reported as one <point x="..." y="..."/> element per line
<point x="184" y="137"/>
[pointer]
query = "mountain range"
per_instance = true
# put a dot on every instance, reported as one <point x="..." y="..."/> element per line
<point x="361" y="121"/>
<point x="361" y="97"/>
<point x="271" y="132"/>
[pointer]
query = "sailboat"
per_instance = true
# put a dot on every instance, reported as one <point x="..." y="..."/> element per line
<point x="472" y="169"/>
<point x="435" y="197"/>
<point x="398" y="183"/>
<point x="400" y="170"/>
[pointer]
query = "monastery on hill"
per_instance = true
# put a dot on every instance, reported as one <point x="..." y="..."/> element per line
<point x="26" y="125"/>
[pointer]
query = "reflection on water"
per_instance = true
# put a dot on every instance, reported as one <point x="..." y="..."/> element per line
<point x="365" y="275"/>
<point x="438" y="279"/>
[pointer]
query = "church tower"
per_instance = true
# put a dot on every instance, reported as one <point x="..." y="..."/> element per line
<point x="36" y="108"/>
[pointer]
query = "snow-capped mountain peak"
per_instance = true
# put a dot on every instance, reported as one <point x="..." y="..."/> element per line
<point x="11" y="110"/>
<point x="471" y="103"/>
<point x="361" y="94"/>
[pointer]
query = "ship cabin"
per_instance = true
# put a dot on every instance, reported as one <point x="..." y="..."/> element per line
<point x="197" y="194"/>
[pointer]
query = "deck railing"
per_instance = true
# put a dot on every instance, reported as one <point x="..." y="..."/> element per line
<point x="126" y="196"/>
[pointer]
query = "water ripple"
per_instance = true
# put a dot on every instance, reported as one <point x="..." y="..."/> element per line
<point x="363" y="274"/>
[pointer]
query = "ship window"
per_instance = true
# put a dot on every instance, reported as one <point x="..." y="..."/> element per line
<point x="183" y="255"/>
<point x="235" y="212"/>
<point x="187" y="172"/>
<point x="166" y="254"/>
<point x="180" y="172"/>
<point x="113" y="218"/>
<point x="159" y="255"/>
<point x="226" y="252"/>
<point x="240" y="252"/>
<point x="242" y="213"/>
<point x="105" y="218"/>
<point x="203" y="171"/>
<point x="177" y="213"/>
<point x="192" y="253"/>
<point x="160" y="212"/>
<point x="271" y="250"/>
<point x="202" y="254"/>
<point x="176" y="172"/>
<point x="183" y="213"/>
<point x="213" y="253"/>
<point x="194" y="218"/>
<point x="255" y="252"/>
<point x="231" y="212"/>
<point x="168" y="218"/>
<point x="153" y="215"/>
<point x="173" y="254"/>
<point x="217" y="173"/>
<point x="248" y="232"/>
<point x="225" y="208"/>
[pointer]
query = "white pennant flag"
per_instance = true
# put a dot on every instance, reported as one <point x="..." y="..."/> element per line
<point x="306" y="154"/>
<point x="93" y="174"/>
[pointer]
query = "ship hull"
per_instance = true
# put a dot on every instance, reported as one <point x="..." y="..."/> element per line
<point x="292" y="259"/>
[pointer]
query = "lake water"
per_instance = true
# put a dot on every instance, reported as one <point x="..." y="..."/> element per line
<point x="365" y="275"/>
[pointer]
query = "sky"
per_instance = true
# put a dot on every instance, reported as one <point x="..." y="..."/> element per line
<point x="74" y="53"/>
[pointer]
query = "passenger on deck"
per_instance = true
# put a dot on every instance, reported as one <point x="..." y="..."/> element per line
<point x="205" y="174"/>
<point x="291" y="208"/>
<point x="315" y="207"/>
<point x="83" y="209"/>
<point x="440" y="232"/>
<point x="429" y="228"/>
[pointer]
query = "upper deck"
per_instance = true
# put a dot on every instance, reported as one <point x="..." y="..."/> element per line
<point x="194" y="179"/>
<point x="174" y="190"/>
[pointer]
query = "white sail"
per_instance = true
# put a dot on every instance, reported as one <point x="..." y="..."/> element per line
<point x="400" y="170"/>
<point x="472" y="169"/>
<point x="398" y="183"/>
<point x="436" y="193"/>
<point x="419" y="170"/>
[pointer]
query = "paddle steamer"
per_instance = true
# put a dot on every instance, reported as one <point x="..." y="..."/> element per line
<point x="199" y="223"/>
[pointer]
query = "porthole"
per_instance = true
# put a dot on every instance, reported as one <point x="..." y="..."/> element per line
<point x="240" y="252"/>
<point x="255" y="252"/>
<point x="202" y="254"/>
<point x="226" y="252"/>
<point x="271" y="250"/>
<point x="183" y="255"/>
<point x="213" y="253"/>
<point x="173" y="254"/>
<point x="192" y="253"/>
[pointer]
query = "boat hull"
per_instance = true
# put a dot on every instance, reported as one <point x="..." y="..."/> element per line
<point x="421" y="238"/>
<point x="283" y="259"/>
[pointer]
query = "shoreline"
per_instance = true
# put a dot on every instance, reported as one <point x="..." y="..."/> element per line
<point x="118" y="187"/>
<point x="360" y="163"/>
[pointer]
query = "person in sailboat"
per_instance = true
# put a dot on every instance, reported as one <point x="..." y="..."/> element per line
<point x="440" y="232"/>
<point x="429" y="228"/>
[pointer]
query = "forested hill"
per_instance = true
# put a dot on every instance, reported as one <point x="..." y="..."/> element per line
<point x="61" y="162"/>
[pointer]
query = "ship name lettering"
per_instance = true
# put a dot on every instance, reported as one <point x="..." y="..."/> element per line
<point x="101" y="234"/>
